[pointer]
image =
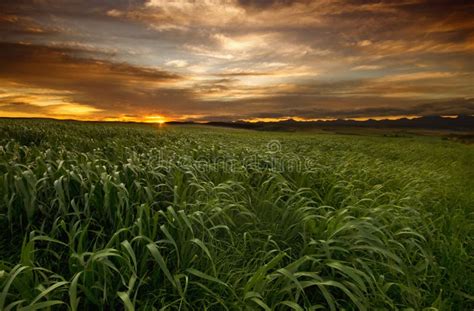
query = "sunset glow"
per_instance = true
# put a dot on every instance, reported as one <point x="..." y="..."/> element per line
<point x="155" y="119"/>
<point x="228" y="60"/>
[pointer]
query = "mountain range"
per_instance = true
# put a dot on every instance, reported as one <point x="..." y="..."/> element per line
<point x="459" y="123"/>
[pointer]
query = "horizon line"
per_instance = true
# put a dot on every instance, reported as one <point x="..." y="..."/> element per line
<point x="248" y="121"/>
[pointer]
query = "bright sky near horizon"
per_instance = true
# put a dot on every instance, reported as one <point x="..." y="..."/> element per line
<point x="157" y="60"/>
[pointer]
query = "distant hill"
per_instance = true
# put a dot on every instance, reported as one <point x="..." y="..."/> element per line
<point x="459" y="123"/>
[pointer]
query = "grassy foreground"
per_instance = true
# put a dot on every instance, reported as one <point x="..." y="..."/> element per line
<point x="115" y="216"/>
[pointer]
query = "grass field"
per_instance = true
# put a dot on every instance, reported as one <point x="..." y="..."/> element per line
<point x="128" y="216"/>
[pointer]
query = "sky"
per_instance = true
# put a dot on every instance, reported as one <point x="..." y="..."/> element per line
<point x="228" y="60"/>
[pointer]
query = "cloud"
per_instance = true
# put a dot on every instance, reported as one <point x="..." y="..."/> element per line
<point x="364" y="43"/>
<point x="21" y="107"/>
<point x="456" y="106"/>
<point x="422" y="75"/>
<point x="14" y="25"/>
<point x="61" y="110"/>
<point x="232" y="59"/>
<point x="61" y="84"/>
<point x="366" y="67"/>
<point x="265" y="3"/>
<point x="179" y="63"/>
<point x="95" y="83"/>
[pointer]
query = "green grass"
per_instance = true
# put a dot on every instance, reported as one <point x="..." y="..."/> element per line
<point x="135" y="217"/>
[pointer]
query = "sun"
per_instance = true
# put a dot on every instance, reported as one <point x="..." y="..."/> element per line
<point x="155" y="119"/>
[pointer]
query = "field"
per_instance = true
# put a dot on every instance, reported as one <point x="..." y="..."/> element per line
<point x="141" y="217"/>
